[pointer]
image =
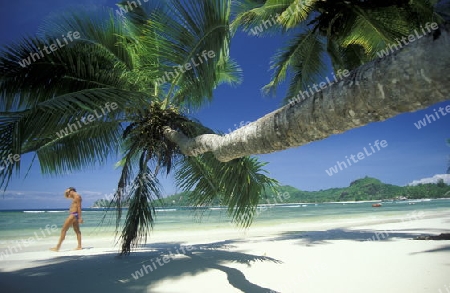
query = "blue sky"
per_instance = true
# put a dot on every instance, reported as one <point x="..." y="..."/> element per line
<point x="411" y="153"/>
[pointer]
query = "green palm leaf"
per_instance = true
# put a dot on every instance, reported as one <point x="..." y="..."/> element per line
<point x="144" y="190"/>
<point x="370" y="31"/>
<point x="239" y="184"/>
<point x="296" y="13"/>
<point x="100" y="28"/>
<point x="352" y="30"/>
<point x="184" y="48"/>
<point x="89" y="147"/>
<point x="303" y="59"/>
<point x="144" y="140"/>
<point x="264" y="14"/>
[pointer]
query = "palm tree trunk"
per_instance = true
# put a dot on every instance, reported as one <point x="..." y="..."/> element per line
<point x="411" y="79"/>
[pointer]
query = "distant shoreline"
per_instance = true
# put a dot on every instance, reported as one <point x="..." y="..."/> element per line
<point x="301" y="203"/>
<point x="168" y="207"/>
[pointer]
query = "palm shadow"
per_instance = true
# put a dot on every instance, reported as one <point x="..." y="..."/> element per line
<point x="87" y="273"/>
<point x="439" y="249"/>
<point x="311" y="238"/>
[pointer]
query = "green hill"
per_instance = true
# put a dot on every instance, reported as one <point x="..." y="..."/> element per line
<point x="369" y="189"/>
<point x="361" y="189"/>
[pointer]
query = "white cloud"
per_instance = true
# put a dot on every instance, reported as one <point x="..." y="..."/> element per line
<point x="14" y="194"/>
<point x="434" y="179"/>
<point x="42" y="195"/>
<point x="89" y="193"/>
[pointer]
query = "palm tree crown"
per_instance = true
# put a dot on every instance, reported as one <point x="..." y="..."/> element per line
<point x="151" y="63"/>
<point x="348" y="33"/>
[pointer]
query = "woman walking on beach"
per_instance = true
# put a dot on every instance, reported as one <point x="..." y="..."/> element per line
<point x="73" y="220"/>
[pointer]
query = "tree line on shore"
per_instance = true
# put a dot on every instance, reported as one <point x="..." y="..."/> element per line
<point x="359" y="190"/>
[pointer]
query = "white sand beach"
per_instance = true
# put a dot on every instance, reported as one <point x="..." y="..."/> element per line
<point x="295" y="257"/>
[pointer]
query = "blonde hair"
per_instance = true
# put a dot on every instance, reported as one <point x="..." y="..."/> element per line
<point x="66" y="193"/>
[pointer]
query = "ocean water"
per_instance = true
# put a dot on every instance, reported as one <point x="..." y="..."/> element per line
<point x="22" y="224"/>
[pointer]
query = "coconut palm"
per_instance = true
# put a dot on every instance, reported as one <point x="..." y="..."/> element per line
<point x="407" y="81"/>
<point x="348" y="32"/>
<point x="124" y="60"/>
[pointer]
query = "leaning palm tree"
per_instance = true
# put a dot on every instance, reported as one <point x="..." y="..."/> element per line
<point x="133" y="61"/>
<point x="349" y="33"/>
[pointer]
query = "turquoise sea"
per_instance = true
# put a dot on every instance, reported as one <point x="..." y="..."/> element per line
<point x="20" y="224"/>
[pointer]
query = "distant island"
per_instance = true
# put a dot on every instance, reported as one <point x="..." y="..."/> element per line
<point x="364" y="189"/>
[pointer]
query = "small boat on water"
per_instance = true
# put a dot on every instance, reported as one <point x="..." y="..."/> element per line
<point x="376" y="205"/>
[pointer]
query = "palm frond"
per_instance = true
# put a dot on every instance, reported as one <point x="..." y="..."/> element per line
<point x="239" y="184"/>
<point x="44" y="97"/>
<point x="89" y="147"/>
<point x="371" y="32"/>
<point x="144" y="142"/>
<point x="100" y="28"/>
<point x="229" y="72"/>
<point x="140" y="218"/>
<point x="8" y="149"/>
<point x="65" y="71"/>
<point x="353" y="31"/>
<point x="296" y="13"/>
<point x="349" y="57"/>
<point x="69" y="132"/>
<point x="190" y="41"/>
<point x="302" y="58"/>
<point x="263" y="16"/>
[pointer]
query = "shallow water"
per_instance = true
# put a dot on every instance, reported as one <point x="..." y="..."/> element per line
<point x="19" y="224"/>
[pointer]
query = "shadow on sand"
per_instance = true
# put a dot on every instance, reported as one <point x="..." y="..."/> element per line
<point x="310" y="238"/>
<point x="112" y="273"/>
<point x="87" y="273"/>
